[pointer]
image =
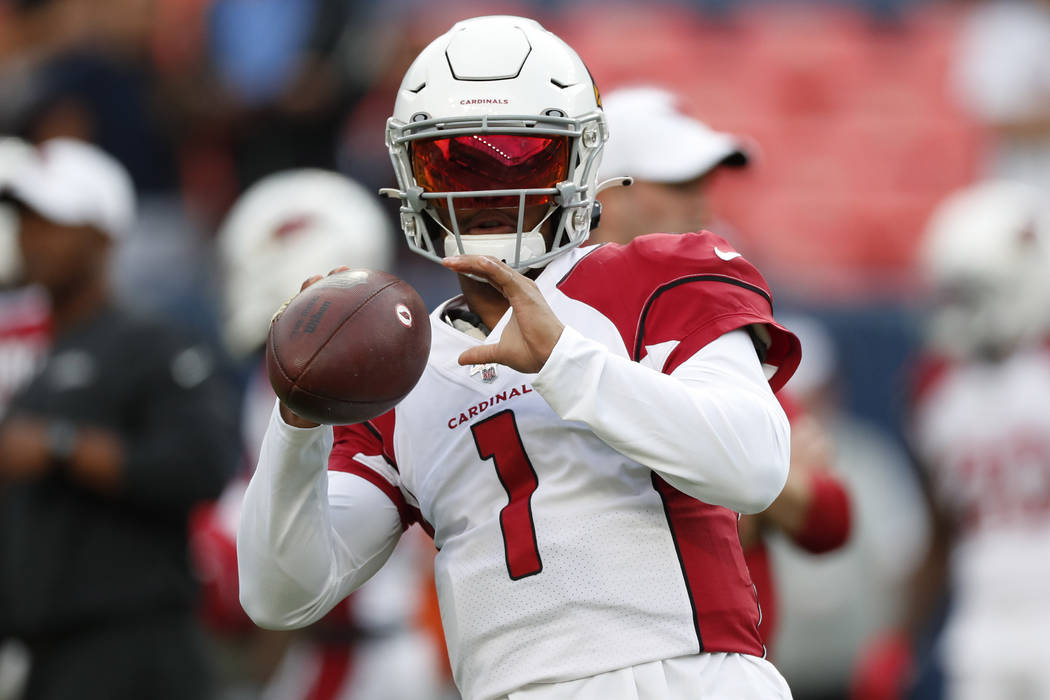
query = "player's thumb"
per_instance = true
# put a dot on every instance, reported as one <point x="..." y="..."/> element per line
<point x="480" y="355"/>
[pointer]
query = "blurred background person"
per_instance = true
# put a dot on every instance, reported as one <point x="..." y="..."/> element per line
<point x="374" y="645"/>
<point x="831" y="604"/>
<point x="24" y="335"/>
<point x="980" y="427"/>
<point x="671" y="157"/>
<point x="24" y="313"/>
<point x="123" y="430"/>
<point x="86" y="71"/>
<point x="1002" y="76"/>
<point x="198" y="99"/>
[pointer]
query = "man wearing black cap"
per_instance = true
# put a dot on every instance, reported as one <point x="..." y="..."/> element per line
<point x="102" y="455"/>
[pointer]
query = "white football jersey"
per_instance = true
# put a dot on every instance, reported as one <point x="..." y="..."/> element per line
<point x="559" y="557"/>
<point x="983" y="430"/>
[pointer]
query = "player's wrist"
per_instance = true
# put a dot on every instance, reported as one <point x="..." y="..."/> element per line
<point x="553" y="334"/>
<point x="292" y="419"/>
<point x="569" y="344"/>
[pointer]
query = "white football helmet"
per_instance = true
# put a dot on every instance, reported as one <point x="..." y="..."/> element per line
<point x="986" y="256"/>
<point x="282" y="230"/>
<point x="498" y="113"/>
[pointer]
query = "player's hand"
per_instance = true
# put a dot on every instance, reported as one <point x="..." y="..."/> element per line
<point x="23" y="448"/>
<point x="811" y="448"/>
<point x="533" y="331"/>
<point x="289" y="416"/>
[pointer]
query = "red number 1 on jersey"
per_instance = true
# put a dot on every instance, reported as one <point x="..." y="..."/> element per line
<point x="497" y="438"/>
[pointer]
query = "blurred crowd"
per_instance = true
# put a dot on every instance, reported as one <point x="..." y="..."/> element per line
<point x="851" y="148"/>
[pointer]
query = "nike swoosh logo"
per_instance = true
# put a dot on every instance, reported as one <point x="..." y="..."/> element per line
<point x="726" y="256"/>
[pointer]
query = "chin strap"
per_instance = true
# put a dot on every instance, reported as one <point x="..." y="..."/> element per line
<point x="501" y="246"/>
<point x="596" y="210"/>
<point x="498" y="245"/>
<point x="624" y="181"/>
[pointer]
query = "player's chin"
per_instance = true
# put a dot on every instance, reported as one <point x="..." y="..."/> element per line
<point x="474" y="218"/>
<point x="486" y="229"/>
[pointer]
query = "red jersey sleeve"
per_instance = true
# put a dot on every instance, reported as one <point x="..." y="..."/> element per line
<point x="688" y="288"/>
<point x="827" y="523"/>
<point x="363" y="449"/>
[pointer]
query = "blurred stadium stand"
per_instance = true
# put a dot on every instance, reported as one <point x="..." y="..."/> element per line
<point x="858" y="135"/>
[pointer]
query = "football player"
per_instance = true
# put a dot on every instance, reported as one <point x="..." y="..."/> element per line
<point x="980" y="427"/>
<point x="369" y="646"/>
<point x="589" y="426"/>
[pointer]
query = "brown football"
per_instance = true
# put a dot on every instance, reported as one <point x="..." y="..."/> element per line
<point x="349" y="347"/>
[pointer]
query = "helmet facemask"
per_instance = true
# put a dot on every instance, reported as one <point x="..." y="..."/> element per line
<point x="444" y="165"/>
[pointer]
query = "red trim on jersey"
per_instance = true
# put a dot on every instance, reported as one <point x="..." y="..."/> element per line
<point x="758" y="564"/>
<point x="784" y="353"/>
<point x="351" y="440"/>
<point x="725" y="608"/>
<point x="384" y="425"/>
<point x="676" y="287"/>
<point x="827" y="522"/>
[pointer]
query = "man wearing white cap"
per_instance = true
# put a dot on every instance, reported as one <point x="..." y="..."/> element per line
<point x="670" y="157"/>
<point x="102" y="456"/>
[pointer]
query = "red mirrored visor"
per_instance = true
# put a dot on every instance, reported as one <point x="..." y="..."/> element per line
<point x="490" y="162"/>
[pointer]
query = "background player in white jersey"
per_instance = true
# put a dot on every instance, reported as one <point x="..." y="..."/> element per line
<point x="981" y="428"/>
<point x="370" y="646"/>
<point x="585" y="434"/>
